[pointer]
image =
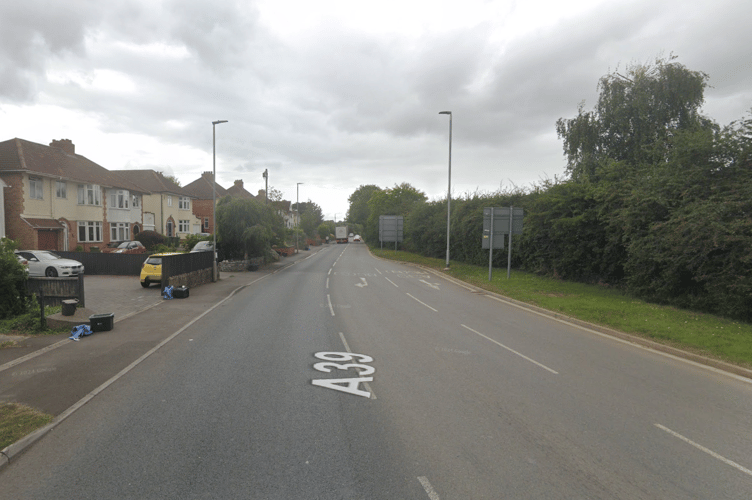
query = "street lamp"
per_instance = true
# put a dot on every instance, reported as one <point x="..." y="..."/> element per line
<point x="266" y="187"/>
<point x="214" y="195"/>
<point x="297" y="219"/>
<point x="449" y="190"/>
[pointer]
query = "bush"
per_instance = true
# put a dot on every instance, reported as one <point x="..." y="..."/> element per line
<point x="150" y="239"/>
<point x="12" y="281"/>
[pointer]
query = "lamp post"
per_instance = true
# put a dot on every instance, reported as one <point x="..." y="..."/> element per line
<point x="449" y="189"/>
<point x="214" y="195"/>
<point x="297" y="218"/>
<point x="266" y="187"/>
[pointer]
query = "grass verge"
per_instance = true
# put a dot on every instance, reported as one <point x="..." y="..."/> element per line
<point x="17" y="421"/>
<point x="704" y="334"/>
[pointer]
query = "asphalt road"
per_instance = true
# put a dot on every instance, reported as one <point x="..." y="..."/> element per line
<point x="448" y="394"/>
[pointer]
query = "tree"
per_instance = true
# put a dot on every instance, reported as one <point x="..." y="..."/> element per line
<point x="402" y="199"/>
<point x="246" y="227"/>
<point x="634" y="119"/>
<point x="311" y="216"/>
<point x="171" y="177"/>
<point x="358" y="211"/>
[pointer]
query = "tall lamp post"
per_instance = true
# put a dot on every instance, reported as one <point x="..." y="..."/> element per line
<point x="214" y="195"/>
<point x="266" y="187"/>
<point x="297" y="219"/>
<point x="449" y="189"/>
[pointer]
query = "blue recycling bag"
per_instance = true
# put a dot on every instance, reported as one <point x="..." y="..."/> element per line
<point x="167" y="294"/>
<point x="80" y="331"/>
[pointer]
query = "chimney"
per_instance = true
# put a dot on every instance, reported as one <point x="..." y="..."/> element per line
<point x="207" y="175"/>
<point x="239" y="183"/>
<point x="64" y="144"/>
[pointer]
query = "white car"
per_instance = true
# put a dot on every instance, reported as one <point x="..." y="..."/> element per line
<point x="46" y="263"/>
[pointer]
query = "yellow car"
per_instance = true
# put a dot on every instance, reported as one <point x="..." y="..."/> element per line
<point x="151" y="269"/>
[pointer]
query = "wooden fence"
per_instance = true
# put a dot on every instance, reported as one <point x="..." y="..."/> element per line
<point x="56" y="290"/>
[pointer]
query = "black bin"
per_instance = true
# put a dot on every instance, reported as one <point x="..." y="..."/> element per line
<point x="69" y="307"/>
<point x="180" y="292"/>
<point x="102" y="322"/>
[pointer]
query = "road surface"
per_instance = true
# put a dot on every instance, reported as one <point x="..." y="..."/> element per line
<point x="348" y="377"/>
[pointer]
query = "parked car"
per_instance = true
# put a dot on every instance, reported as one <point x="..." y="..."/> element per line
<point x="151" y="269"/>
<point x="25" y="263"/>
<point x="356" y="238"/>
<point x="125" y="247"/>
<point x="131" y="247"/>
<point x="50" y="264"/>
<point x="206" y="246"/>
<point x="111" y="246"/>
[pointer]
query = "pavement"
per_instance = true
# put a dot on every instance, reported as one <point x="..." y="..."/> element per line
<point x="57" y="375"/>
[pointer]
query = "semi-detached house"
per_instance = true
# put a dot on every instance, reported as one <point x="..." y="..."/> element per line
<point x="55" y="199"/>
<point x="168" y="207"/>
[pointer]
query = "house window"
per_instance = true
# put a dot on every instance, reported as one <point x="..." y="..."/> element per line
<point x="60" y="189"/>
<point x="119" y="199"/>
<point x="184" y="226"/>
<point x="206" y="223"/>
<point x="89" y="194"/>
<point x="169" y="228"/>
<point x="184" y="203"/>
<point x="119" y="231"/>
<point x="136" y="201"/>
<point x="169" y="201"/>
<point x="35" y="188"/>
<point x="89" y="231"/>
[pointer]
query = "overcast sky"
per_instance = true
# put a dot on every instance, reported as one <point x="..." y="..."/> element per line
<point x="339" y="93"/>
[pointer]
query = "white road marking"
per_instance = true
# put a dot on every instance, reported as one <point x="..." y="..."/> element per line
<point x="347" y="348"/>
<point x="429" y="489"/>
<point x="511" y="350"/>
<point x="330" y="271"/>
<point x="378" y="271"/>
<point x="431" y="308"/>
<point x="327" y="283"/>
<point x="709" y="452"/>
<point x="435" y="286"/>
<point x="329" y="299"/>
<point x="713" y="369"/>
<point x="363" y="283"/>
<point x="392" y="282"/>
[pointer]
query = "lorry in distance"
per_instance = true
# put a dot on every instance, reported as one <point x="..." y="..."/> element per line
<point x="340" y="233"/>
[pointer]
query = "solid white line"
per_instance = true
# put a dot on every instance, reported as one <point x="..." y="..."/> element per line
<point x="709" y="452"/>
<point x="431" y="308"/>
<point x="392" y="282"/>
<point x="329" y="299"/>
<point x="512" y="350"/>
<point x="429" y="489"/>
<point x="347" y="348"/>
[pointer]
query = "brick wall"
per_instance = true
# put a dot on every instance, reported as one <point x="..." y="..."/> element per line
<point x="15" y="227"/>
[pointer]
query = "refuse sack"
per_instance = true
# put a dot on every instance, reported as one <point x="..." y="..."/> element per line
<point x="80" y="331"/>
<point x="167" y="293"/>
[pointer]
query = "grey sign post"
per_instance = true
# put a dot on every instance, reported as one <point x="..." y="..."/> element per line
<point x="391" y="229"/>
<point x="496" y="223"/>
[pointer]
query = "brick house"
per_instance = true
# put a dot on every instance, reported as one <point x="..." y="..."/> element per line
<point x="167" y="207"/>
<point x="56" y="199"/>
<point x="201" y="189"/>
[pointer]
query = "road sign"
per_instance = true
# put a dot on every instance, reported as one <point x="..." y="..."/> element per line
<point x="391" y="228"/>
<point x="498" y="223"/>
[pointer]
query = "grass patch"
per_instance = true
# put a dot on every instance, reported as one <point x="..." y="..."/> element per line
<point x="17" y="421"/>
<point x="29" y="323"/>
<point x="700" y="333"/>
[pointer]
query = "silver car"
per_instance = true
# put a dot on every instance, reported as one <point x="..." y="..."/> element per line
<point x="50" y="264"/>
